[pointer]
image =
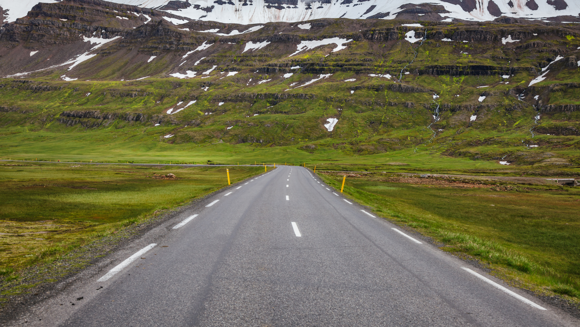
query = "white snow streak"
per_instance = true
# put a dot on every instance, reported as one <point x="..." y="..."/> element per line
<point x="331" y="123"/>
<point x="322" y="76"/>
<point x="210" y="70"/>
<point x="309" y="45"/>
<point x="202" y="47"/>
<point x="508" y="39"/>
<point x="255" y="46"/>
<point x="175" y="21"/>
<point x="410" y="36"/>
<point x="388" y="76"/>
<point x="542" y="77"/>
<point x="188" y="74"/>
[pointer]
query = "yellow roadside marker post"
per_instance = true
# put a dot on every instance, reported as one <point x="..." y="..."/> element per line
<point x="343" y="180"/>
<point x="228" y="171"/>
<point x="274" y="165"/>
<point x="265" y="168"/>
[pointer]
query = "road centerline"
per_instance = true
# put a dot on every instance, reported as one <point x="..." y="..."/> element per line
<point x="296" y="230"/>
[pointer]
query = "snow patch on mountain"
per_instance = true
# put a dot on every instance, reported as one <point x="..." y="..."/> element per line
<point x="202" y="47"/>
<point x="322" y="76"/>
<point x="542" y="77"/>
<point x="381" y="75"/>
<point x="188" y="74"/>
<point x="508" y="39"/>
<point x="410" y="36"/>
<point x="331" y="123"/>
<point x="255" y="46"/>
<point x="261" y="12"/>
<point x="210" y="70"/>
<point x="175" y="21"/>
<point x="309" y="45"/>
<point x="236" y="32"/>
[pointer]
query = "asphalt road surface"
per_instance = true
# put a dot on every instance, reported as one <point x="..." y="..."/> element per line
<point x="285" y="249"/>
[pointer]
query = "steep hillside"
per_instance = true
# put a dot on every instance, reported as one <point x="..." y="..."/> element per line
<point x="505" y="90"/>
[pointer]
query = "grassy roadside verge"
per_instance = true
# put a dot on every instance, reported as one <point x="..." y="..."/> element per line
<point x="526" y="235"/>
<point x="53" y="212"/>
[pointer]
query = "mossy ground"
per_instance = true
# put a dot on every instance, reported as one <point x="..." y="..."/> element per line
<point x="47" y="210"/>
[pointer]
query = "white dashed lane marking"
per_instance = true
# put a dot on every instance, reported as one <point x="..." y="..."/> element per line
<point x="496" y="285"/>
<point x="211" y="204"/>
<point x="125" y="263"/>
<point x="296" y="230"/>
<point x="181" y="224"/>
<point x="368" y="214"/>
<point x="407" y="236"/>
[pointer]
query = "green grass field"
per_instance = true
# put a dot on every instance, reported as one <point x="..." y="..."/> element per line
<point x="48" y="210"/>
<point x="527" y="234"/>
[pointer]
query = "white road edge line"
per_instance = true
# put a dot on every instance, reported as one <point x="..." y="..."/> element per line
<point x="238" y="188"/>
<point x="407" y="236"/>
<point x="181" y="224"/>
<point x="125" y="263"/>
<point x="368" y="214"/>
<point x="228" y="194"/>
<point x="498" y="286"/>
<point x="287" y="185"/>
<point x="334" y="193"/>
<point x="296" y="231"/>
<point x="287" y="198"/>
<point x="211" y="204"/>
<point x="347" y="201"/>
<point x="328" y="189"/>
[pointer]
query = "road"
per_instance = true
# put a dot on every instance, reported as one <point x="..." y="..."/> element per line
<point x="284" y="249"/>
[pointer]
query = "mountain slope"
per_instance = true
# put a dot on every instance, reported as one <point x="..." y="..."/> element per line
<point x="483" y="91"/>
<point x="264" y="11"/>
